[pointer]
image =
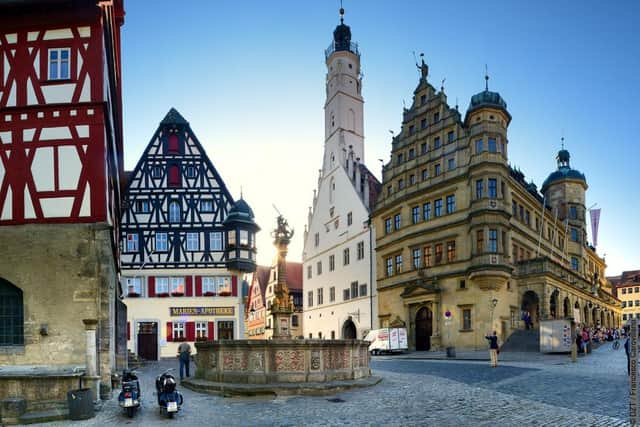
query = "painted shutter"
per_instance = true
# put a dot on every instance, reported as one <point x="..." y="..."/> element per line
<point x="198" y="286"/>
<point x="128" y="331"/>
<point x="234" y="286"/>
<point x="152" y="286"/>
<point x="191" y="331"/>
<point x="189" y="285"/>
<point x="169" y="331"/>
<point x="210" y="329"/>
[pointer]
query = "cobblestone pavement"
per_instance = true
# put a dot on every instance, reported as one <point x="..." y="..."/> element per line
<point x="591" y="392"/>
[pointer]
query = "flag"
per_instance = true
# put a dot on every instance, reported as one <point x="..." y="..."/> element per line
<point x="595" y="220"/>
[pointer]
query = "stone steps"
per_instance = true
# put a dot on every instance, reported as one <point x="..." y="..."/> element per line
<point x="523" y="341"/>
<point x="44" y="416"/>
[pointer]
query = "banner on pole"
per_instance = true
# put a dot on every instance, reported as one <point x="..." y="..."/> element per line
<point x="595" y="220"/>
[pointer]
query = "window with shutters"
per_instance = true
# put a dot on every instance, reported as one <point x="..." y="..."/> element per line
<point x="201" y="331"/>
<point x="208" y="286"/>
<point x="177" y="286"/>
<point x="179" y="331"/>
<point x="162" y="286"/>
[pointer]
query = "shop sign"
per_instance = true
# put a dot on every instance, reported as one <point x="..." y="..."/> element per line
<point x="201" y="311"/>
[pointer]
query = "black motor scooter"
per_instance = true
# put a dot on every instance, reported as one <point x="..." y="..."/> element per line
<point x="130" y="396"/>
<point x="169" y="399"/>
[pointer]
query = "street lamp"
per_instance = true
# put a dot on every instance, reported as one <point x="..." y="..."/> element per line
<point x="494" y="303"/>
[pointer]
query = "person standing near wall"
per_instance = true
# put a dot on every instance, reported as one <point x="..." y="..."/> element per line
<point x="184" y="353"/>
<point x="493" y="348"/>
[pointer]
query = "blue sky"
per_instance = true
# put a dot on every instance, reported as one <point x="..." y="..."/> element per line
<point x="249" y="77"/>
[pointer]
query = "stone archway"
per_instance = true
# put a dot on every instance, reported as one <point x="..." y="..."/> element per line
<point x="531" y="305"/>
<point x="567" y="308"/>
<point x="349" y="331"/>
<point x="424" y="329"/>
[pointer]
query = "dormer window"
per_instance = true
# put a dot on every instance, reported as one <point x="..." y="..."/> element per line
<point x="436" y="117"/>
<point x="59" y="64"/>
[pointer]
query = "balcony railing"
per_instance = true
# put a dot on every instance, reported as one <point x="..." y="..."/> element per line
<point x="353" y="48"/>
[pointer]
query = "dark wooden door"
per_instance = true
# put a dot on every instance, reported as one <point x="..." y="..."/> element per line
<point x="148" y="340"/>
<point x="424" y="329"/>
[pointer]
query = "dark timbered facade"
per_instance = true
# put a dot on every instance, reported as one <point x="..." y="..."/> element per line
<point x="186" y="246"/>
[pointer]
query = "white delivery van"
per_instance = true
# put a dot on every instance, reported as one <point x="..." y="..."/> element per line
<point x="387" y="340"/>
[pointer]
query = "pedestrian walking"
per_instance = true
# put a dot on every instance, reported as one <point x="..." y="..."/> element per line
<point x="184" y="354"/>
<point x="578" y="342"/>
<point x="493" y="348"/>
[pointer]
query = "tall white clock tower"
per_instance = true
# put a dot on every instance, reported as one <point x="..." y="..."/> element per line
<point x="339" y="266"/>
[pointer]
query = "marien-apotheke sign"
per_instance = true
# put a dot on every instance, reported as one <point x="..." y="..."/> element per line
<point x="201" y="311"/>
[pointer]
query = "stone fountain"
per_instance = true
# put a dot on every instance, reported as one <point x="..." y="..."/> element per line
<point x="281" y="365"/>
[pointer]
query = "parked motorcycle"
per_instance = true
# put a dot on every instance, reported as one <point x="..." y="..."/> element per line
<point x="169" y="399"/>
<point x="130" y="397"/>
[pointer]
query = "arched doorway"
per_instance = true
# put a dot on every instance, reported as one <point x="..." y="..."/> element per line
<point x="12" y="315"/>
<point x="349" y="330"/>
<point x="531" y="305"/>
<point x="424" y="329"/>
<point x="553" y="305"/>
<point x="567" y="307"/>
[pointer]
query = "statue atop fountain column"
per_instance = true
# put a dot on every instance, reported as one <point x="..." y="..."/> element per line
<point x="282" y="306"/>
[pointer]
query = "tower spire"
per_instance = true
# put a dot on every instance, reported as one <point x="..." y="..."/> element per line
<point x="341" y="13"/>
<point x="486" y="78"/>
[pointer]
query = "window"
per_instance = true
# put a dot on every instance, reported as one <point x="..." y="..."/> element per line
<point x="354" y="289"/>
<point x="412" y="153"/>
<point x="191" y="171"/>
<point x="143" y="206"/>
<point x="177" y="285"/>
<point x="412" y="129"/>
<point x="320" y="296"/>
<point x="412" y="179"/>
<point x="193" y="241"/>
<point x="438" y="253"/>
<point x="59" y="64"/>
<point x="398" y="264"/>
<point x="345" y="257"/>
<point x="332" y="294"/>
<point x="397" y="221"/>
<point x="527" y="217"/>
<point x="624" y="290"/>
<point x="400" y="158"/>
<point x="423" y="148"/>
<point x="436" y="143"/>
<point x="479" y="146"/>
<point x="161" y="242"/>
<point x="332" y="262"/>
<point x="201" y="330"/>
<point x="308" y="272"/>
<point x="574" y="263"/>
<point x="316" y="239"/>
<point x="451" y="251"/>
<point x="492" y="188"/>
<point x="363" y="290"/>
<point x="466" y="319"/>
<point x="400" y="184"/>
<point x="436" y="169"/>
<point x="423" y="100"/>
<point x="206" y="205"/>
<point x="173" y="144"/>
<point x="310" y="299"/>
<point x="451" y="164"/>
<point x="345" y="294"/>
<point x="521" y="210"/>
<point x="209" y="286"/>
<point x="389" y="190"/>
<point x="573" y="212"/>
<point x="462" y="284"/>
<point x="425" y="174"/>
<point x="451" y="204"/>
<point x="319" y="270"/>
<point x="215" y="239"/>
<point x="132" y="242"/>
<point x="450" y="136"/>
<point x="360" y="250"/>
<point x="574" y="234"/>
<point x="179" y="330"/>
<point x="426" y="211"/>
<point x="436" y="117"/>
<point x="479" y="188"/>
<point x="225" y="330"/>
<point x="417" y="258"/>
<point x="437" y="208"/>
<point x="624" y="304"/>
<point x="134" y="286"/>
<point x="493" y="240"/>
<point x="174" y="211"/>
<point x="156" y="172"/>
<point x="387" y="226"/>
<point x="244" y="238"/>
<point x="349" y="218"/>
<point x="514" y="208"/>
<point x="174" y="176"/>
<point x="294" y="320"/>
<point x="389" y="262"/>
<point x="162" y="285"/>
<point x="492" y="145"/>
<point x="427" y="256"/>
<point x="415" y="214"/>
<point x="480" y="241"/>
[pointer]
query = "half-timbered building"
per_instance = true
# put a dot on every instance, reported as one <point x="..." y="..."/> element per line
<point x="255" y="307"/>
<point x="60" y="179"/>
<point x="185" y="246"/>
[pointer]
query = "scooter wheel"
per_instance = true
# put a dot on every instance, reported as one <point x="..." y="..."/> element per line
<point x="131" y="412"/>
<point x="170" y="414"/>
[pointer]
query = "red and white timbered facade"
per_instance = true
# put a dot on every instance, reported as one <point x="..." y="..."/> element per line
<point x="60" y="121"/>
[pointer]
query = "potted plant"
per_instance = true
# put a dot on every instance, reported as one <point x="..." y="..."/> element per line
<point x="133" y="295"/>
<point x="209" y="294"/>
<point x="162" y="294"/>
